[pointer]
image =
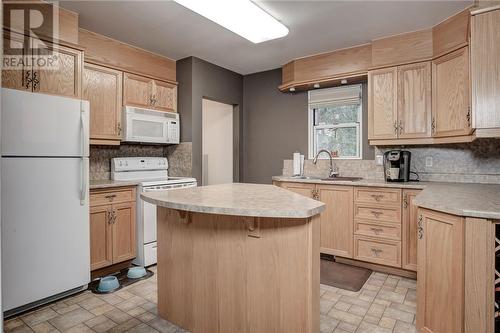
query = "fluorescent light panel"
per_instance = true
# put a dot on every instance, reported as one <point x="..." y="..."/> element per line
<point x="242" y="17"/>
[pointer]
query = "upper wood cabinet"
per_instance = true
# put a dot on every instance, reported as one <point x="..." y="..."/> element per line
<point x="485" y="63"/>
<point x="440" y="283"/>
<point x="144" y="92"/>
<point x="63" y="77"/>
<point x="16" y="79"/>
<point x="382" y="104"/>
<point x="410" y="229"/>
<point x="102" y="87"/>
<point x="337" y="222"/>
<point x="450" y="94"/>
<point x="414" y="100"/>
<point x="399" y="102"/>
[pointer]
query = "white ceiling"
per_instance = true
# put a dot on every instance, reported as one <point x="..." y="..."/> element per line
<point x="167" y="28"/>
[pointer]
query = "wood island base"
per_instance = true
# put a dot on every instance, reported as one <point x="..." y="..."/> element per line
<point x="222" y="273"/>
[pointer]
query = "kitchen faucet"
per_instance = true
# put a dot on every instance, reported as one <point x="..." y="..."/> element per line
<point x="333" y="170"/>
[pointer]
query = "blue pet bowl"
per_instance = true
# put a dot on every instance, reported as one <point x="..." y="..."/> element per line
<point x="108" y="283"/>
<point x="136" y="272"/>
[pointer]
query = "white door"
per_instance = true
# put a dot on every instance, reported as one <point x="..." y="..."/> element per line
<point x="45" y="229"/>
<point x="217" y="147"/>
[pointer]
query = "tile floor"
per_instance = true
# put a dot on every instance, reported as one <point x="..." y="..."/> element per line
<point x="386" y="303"/>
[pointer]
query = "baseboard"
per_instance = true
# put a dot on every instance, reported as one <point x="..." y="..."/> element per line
<point x="378" y="268"/>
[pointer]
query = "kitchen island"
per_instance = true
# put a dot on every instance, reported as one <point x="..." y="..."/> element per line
<point x="238" y="258"/>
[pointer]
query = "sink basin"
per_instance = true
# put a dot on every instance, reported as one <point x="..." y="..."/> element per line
<point x="339" y="179"/>
<point x="306" y="177"/>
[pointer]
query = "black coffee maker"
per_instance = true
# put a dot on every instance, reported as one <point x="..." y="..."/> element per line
<point x="397" y="165"/>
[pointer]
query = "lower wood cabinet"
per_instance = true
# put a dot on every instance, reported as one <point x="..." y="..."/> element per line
<point x="112" y="227"/>
<point x="373" y="224"/>
<point x="336" y="221"/>
<point x="409" y="242"/>
<point x="440" y="284"/>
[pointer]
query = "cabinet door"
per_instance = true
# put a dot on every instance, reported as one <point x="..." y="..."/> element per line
<point x="100" y="237"/>
<point x="450" y="94"/>
<point x="299" y="188"/>
<point x="103" y="88"/>
<point x="337" y="222"/>
<point x="409" y="239"/>
<point x="15" y="46"/>
<point x="382" y="104"/>
<point x="440" y="280"/>
<point x="124" y="244"/>
<point x="64" y="78"/>
<point x="485" y="52"/>
<point x="137" y="90"/>
<point x="414" y="100"/>
<point x="165" y="96"/>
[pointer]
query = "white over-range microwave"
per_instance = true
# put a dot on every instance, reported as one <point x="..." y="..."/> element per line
<point x="150" y="126"/>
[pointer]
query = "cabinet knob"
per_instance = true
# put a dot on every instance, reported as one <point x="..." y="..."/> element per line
<point x="376" y="213"/>
<point x="376" y="251"/>
<point x="420" y="228"/>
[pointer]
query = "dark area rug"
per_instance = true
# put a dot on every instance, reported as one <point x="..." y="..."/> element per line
<point x="343" y="276"/>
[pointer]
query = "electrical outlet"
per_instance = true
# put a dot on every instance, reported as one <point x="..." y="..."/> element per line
<point x="379" y="160"/>
<point x="428" y="162"/>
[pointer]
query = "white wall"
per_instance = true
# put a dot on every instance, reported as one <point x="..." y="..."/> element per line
<point x="217" y="142"/>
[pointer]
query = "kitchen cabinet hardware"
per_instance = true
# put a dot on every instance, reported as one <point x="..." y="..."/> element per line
<point x="405" y="201"/>
<point x="396" y="127"/>
<point x="401" y="127"/>
<point x="377" y="231"/>
<point x="467" y="116"/>
<point x="110" y="196"/>
<point x="433" y="125"/>
<point x="377" y="197"/>
<point x="35" y="81"/>
<point x="376" y="213"/>
<point x="108" y="216"/>
<point x="27" y="79"/>
<point x="420" y="224"/>
<point x="376" y="251"/>
<point x="119" y="127"/>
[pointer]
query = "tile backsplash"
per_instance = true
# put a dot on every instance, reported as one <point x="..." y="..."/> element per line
<point x="476" y="162"/>
<point x="179" y="157"/>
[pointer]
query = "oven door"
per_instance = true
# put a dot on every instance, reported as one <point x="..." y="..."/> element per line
<point x="142" y="125"/>
<point x="149" y="210"/>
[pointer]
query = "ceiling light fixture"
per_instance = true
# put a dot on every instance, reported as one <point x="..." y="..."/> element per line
<point x="242" y="17"/>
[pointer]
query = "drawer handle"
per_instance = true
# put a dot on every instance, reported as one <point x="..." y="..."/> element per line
<point x="377" y="197"/>
<point x="376" y="252"/>
<point x="376" y="213"/>
<point x="110" y="196"/>
<point x="377" y="230"/>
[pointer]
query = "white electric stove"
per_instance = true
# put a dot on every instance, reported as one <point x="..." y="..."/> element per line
<point x="152" y="175"/>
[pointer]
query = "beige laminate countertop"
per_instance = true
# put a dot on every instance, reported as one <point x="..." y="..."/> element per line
<point x="237" y="199"/>
<point x="99" y="184"/>
<point x="462" y="199"/>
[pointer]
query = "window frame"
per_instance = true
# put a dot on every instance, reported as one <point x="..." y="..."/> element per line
<point x="311" y="130"/>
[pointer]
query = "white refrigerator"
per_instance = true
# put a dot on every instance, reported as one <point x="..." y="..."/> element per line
<point x="45" y="213"/>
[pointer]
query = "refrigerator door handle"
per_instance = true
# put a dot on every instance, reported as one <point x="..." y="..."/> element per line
<point x="84" y="117"/>
<point x="85" y="172"/>
<point x="85" y="147"/>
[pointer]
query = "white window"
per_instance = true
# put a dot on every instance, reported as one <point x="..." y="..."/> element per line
<point x="335" y="122"/>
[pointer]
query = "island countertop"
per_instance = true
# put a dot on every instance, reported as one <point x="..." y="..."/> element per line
<point x="237" y="199"/>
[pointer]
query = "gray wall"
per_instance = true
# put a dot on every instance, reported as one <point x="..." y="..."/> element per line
<point x="199" y="79"/>
<point x="275" y="126"/>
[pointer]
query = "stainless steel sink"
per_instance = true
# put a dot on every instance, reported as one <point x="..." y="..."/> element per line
<point x="307" y="177"/>
<point x="339" y="179"/>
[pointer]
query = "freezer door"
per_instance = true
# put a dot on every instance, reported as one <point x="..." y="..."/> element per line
<point x="43" y="125"/>
<point x="45" y="229"/>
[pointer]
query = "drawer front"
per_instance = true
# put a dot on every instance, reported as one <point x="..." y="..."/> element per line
<point x="387" y="231"/>
<point x="104" y="197"/>
<point x="381" y="214"/>
<point x="377" y="251"/>
<point x="378" y="195"/>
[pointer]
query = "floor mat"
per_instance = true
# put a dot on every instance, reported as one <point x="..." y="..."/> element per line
<point x="343" y="276"/>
